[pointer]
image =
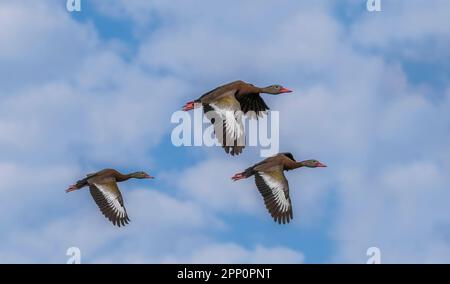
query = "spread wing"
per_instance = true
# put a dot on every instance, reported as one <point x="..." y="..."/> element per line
<point x="226" y="117"/>
<point x="274" y="188"/>
<point x="110" y="201"/>
<point x="252" y="103"/>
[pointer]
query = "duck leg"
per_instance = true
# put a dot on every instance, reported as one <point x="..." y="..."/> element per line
<point x="189" y="106"/>
<point x="80" y="184"/>
<point x="238" y="176"/>
<point x="72" y="188"/>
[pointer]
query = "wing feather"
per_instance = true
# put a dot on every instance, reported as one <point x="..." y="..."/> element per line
<point x="109" y="200"/>
<point x="226" y="117"/>
<point x="252" y="103"/>
<point x="274" y="188"/>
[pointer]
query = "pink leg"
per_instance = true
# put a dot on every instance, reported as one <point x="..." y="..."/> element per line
<point x="189" y="106"/>
<point x="238" y="176"/>
<point x="72" y="188"/>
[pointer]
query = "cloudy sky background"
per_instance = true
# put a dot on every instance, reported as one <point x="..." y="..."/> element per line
<point x="83" y="91"/>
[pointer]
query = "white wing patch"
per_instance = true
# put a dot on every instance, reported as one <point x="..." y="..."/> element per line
<point x="278" y="191"/>
<point x="112" y="200"/>
<point x="234" y="128"/>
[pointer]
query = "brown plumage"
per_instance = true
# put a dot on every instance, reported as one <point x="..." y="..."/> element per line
<point x="273" y="185"/>
<point x="226" y="104"/>
<point x="106" y="193"/>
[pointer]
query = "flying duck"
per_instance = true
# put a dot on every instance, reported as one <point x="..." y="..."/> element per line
<point x="273" y="185"/>
<point x="106" y="193"/>
<point x="229" y="102"/>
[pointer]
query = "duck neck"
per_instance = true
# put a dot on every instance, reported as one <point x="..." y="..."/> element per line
<point x="294" y="165"/>
<point x="297" y="165"/>
<point x="265" y="90"/>
<point x="123" y="177"/>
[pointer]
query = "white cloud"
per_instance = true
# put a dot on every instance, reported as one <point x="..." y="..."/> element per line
<point x="162" y="230"/>
<point x="157" y="225"/>
<point x="385" y="141"/>
<point x="209" y="183"/>
<point x="402" y="211"/>
<point x="416" y="29"/>
<point x="96" y="105"/>
<point x="39" y="42"/>
<point x="232" y="253"/>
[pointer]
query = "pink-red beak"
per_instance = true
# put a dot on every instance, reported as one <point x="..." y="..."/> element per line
<point x="149" y="176"/>
<point x="320" y="165"/>
<point x="285" y="90"/>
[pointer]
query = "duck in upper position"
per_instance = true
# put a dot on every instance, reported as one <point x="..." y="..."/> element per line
<point x="106" y="193"/>
<point x="228" y="103"/>
<point x="273" y="185"/>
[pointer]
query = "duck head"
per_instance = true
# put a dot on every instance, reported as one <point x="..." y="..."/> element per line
<point x="275" y="90"/>
<point x="313" y="164"/>
<point x="141" y="175"/>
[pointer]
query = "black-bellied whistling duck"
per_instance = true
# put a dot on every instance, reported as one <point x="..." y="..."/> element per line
<point x="106" y="193"/>
<point x="273" y="185"/>
<point x="228" y="102"/>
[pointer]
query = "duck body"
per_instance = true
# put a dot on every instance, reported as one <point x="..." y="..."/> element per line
<point x="106" y="194"/>
<point x="273" y="184"/>
<point x="225" y="105"/>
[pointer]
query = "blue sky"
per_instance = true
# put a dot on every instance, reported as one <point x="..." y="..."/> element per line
<point x="95" y="89"/>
